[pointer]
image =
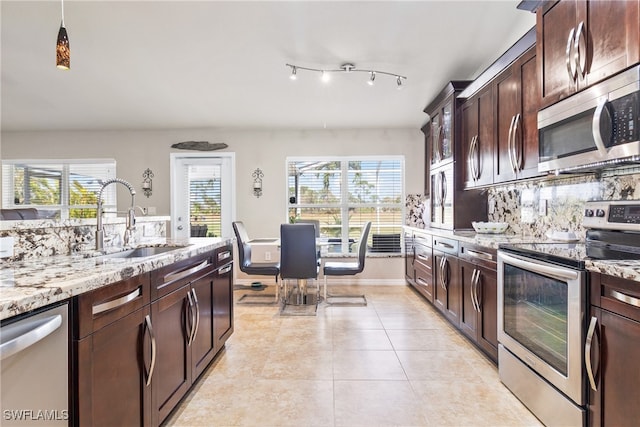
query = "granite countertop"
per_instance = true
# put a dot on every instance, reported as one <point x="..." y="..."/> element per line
<point x="626" y="269"/>
<point x="34" y="283"/>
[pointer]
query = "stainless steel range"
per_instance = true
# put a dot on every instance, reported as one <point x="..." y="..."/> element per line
<point x="542" y="310"/>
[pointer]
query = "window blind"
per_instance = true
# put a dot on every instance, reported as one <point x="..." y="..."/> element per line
<point x="344" y="193"/>
<point x="60" y="188"/>
<point x="205" y="200"/>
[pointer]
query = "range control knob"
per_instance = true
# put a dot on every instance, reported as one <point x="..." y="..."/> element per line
<point x="588" y="212"/>
<point x="600" y="213"/>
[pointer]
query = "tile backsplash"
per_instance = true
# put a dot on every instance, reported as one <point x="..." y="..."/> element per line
<point x="533" y="208"/>
<point x="37" y="238"/>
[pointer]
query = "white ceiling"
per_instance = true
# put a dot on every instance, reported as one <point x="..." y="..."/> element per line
<point x="213" y="64"/>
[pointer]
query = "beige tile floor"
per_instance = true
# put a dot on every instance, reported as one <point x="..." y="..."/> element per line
<point x="395" y="362"/>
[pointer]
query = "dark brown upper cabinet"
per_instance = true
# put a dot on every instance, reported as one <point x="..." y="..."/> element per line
<point x="516" y="93"/>
<point x="441" y="127"/>
<point x="477" y="139"/>
<point x="582" y="42"/>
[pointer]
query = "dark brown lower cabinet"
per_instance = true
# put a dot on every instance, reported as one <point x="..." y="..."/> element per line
<point x="112" y="355"/>
<point x="423" y="265"/>
<point x="447" y="290"/>
<point x="460" y="280"/>
<point x="140" y="344"/>
<point x="222" y="305"/>
<point x="612" y="364"/>
<point x="171" y="316"/>
<point x="478" y="314"/>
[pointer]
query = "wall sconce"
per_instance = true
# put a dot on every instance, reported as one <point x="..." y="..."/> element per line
<point x="147" y="182"/>
<point x="257" y="182"/>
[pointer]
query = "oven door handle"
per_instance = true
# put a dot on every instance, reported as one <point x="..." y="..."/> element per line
<point x="537" y="267"/>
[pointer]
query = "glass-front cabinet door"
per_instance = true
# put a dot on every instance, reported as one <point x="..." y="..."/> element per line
<point x="442" y="135"/>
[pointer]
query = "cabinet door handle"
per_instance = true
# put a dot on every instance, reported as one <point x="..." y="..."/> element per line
<point x="470" y="158"/>
<point x="444" y="187"/>
<point x="579" y="47"/>
<point x="184" y="273"/>
<point x="478" y="290"/>
<point x="38" y="330"/>
<point x="438" y="142"/>
<point x="190" y="320"/>
<point x="441" y="275"/>
<point x="444" y="245"/>
<point x="100" y="308"/>
<point x="422" y="258"/>
<point x="444" y="277"/>
<point x="224" y="255"/>
<point x="517" y="154"/>
<point x="567" y="56"/>
<point x="627" y="299"/>
<point x="472" y="291"/>
<point x="592" y="331"/>
<point x="197" y="315"/>
<point x="479" y="254"/>
<point x="224" y="270"/>
<point x="510" y="143"/>
<point x="421" y="282"/>
<point x="147" y="323"/>
<point x="476" y="158"/>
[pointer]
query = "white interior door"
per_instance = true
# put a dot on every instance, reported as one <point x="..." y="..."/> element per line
<point x="202" y="188"/>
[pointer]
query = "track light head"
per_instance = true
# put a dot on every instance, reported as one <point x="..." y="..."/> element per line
<point x="399" y="82"/>
<point x="372" y="78"/>
<point x="325" y="77"/>
<point x="294" y="74"/>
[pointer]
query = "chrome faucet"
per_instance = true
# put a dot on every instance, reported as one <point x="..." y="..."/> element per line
<point x="131" y="218"/>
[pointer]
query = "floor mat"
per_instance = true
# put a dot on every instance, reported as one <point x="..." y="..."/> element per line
<point x="255" y="286"/>
<point x="299" y="310"/>
<point x="359" y="300"/>
<point x="259" y="299"/>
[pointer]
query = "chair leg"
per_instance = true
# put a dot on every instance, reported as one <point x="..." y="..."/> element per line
<point x="325" y="287"/>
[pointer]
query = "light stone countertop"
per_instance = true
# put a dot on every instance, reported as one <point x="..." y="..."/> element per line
<point x="626" y="269"/>
<point x="34" y="283"/>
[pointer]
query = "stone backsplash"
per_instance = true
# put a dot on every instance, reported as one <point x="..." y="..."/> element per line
<point x="38" y="238"/>
<point x="535" y="208"/>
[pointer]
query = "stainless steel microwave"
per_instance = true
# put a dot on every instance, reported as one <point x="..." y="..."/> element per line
<point x="592" y="129"/>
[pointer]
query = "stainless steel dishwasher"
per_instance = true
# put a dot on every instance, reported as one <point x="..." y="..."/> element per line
<point x="34" y="363"/>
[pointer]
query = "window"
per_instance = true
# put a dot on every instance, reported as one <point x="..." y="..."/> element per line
<point x="205" y="200"/>
<point x="343" y="193"/>
<point x="58" y="188"/>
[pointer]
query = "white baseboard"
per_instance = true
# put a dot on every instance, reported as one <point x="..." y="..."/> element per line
<point x="341" y="280"/>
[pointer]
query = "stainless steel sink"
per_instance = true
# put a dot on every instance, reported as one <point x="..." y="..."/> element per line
<point x="142" y="252"/>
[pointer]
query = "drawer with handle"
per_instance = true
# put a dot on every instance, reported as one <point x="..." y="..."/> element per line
<point x="172" y="277"/>
<point x="100" y="307"/>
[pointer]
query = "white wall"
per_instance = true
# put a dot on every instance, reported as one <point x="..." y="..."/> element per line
<point x="136" y="151"/>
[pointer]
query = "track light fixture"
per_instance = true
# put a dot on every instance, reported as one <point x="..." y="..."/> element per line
<point x="346" y="68"/>
<point x="63" y="53"/>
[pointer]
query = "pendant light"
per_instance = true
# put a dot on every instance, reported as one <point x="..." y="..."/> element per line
<point x="63" y="53"/>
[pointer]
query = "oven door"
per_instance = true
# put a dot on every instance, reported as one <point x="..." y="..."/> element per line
<point x="541" y="318"/>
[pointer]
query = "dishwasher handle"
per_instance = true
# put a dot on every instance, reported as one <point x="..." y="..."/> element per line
<point x="39" y="330"/>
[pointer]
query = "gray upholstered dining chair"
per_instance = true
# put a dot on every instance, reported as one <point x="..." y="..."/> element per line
<point x="315" y="222"/>
<point x="244" y="253"/>
<point x="338" y="268"/>
<point x="298" y="260"/>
